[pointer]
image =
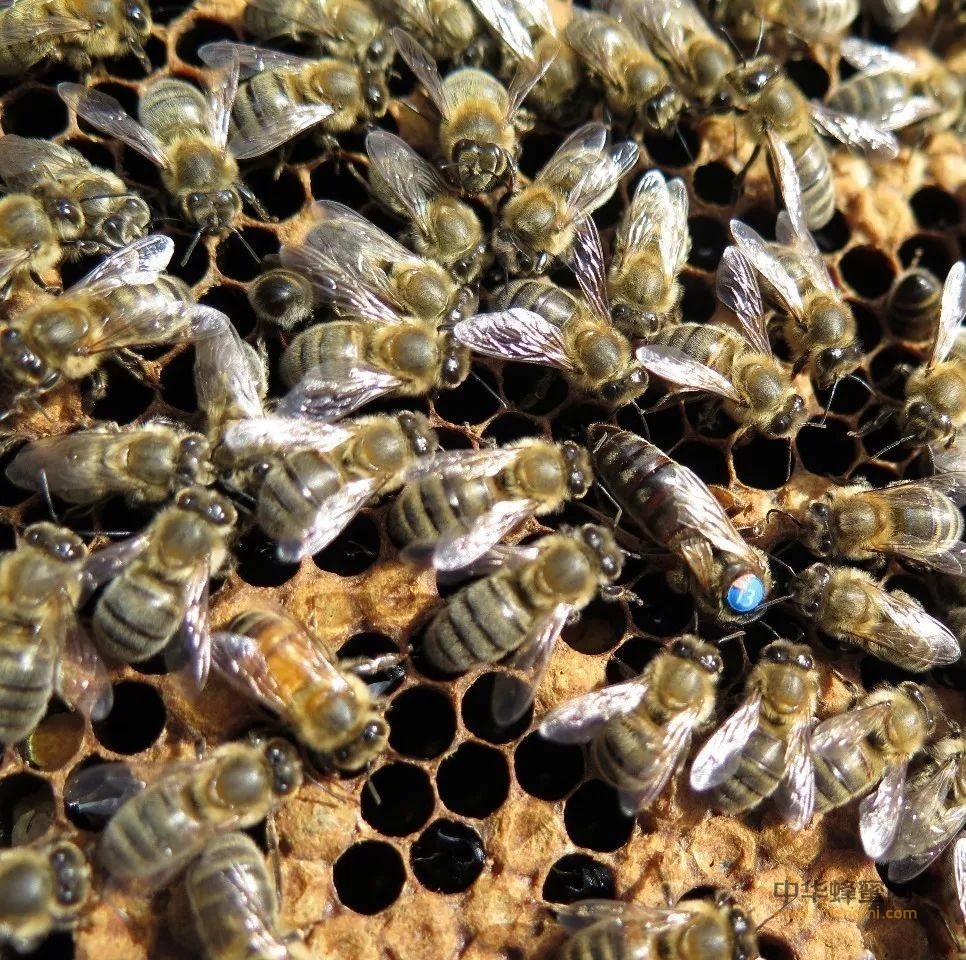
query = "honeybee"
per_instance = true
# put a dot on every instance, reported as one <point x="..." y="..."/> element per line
<point x="123" y="303"/>
<point x="287" y="94"/>
<point x="161" y="586"/>
<point x="762" y="749"/>
<point x="480" y="119"/>
<point x="233" y="903"/>
<point x="462" y="510"/>
<point x="695" y="928"/>
<point x="28" y="242"/>
<point x="43" y="888"/>
<point x="539" y="224"/>
<point x="935" y="405"/>
<point x="441" y="226"/>
<point x="282" y="298"/>
<point x="42" y="583"/>
<point x="849" y="605"/>
<point x="514" y="615"/>
<point x="271" y="658"/>
<point x="146" y="464"/>
<point x="75" y="31"/>
<point x="538" y="322"/>
<point x="738" y="367"/>
<point x="651" y="245"/>
<point x="873" y="744"/>
<point x="447" y="29"/>
<point x="159" y="827"/>
<point x="636" y="86"/>
<point x="894" y="90"/>
<point x="817" y="21"/>
<point x="185" y="135"/>
<point x="729" y="578"/>
<point x="913" y="305"/>
<point x="91" y="210"/>
<point x="760" y="91"/>
<point x="817" y="324"/>
<point x="915" y="520"/>
<point x="640" y="731"/>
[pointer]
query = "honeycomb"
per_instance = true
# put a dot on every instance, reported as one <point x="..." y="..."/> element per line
<point x="460" y="840"/>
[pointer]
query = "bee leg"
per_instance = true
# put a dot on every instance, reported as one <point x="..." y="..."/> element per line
<point x="742" y="174"/>
<point x="97" y="391"/>
<point x="255" y="204"/>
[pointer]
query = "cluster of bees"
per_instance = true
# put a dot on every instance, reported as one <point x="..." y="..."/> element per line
<point x="488" y="264"/>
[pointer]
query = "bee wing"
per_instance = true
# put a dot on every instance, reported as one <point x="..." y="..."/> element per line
<point x="738" y="290"/>
<point x="323" y="399"/>
<point x="423" y="67"/>
<point x="108" y="116"/>
<point x="226" y="376"/>
<point x="845" y="729"/>
<point x="82" y="678"/>
<point x="279" y="129"/>
<point x="872" y="58"/>
<point x="100" y="791"/>
<point x="339" y="227"/>
<point x="528" y="74"/>
<point x="582" y="719"/>
<point x="935" y="832"/>
<point x="505" y="22"/>
<point x="40" y="26"/>
<point x="245" y="437"/>
<point x="791" y="189"/>
<point x="756" y="252"/>
<point x="11" y="260"/>
<point x="511" y="698"/>
<point x="194" y="634"/>
<point x="658" y="213"/>
<point x="879" y="812"/>
<point x="515" y="334"/>
<point x="139" y="263"/>
<point x="951" y="313"/>
<point x="718" y="759"/>
<point x="923" y="807"/>
<point x="959" y="873"/>
<point x="586" y="260"/>
<point x="620" y="913"/>
<point x="795" y="796"/>
<point x="221" y="97"/>
<point x="678" y="368"/>
<point x="221" y="54"/>
<point x="950" y="483"/>
<point x="855" y="132"/>
<point x="910" y="631"/>
<point x="601" y="48"/>
<point x="23" y="160"/>
<point x="105" y="564"/>
<point x="177" y="323"/>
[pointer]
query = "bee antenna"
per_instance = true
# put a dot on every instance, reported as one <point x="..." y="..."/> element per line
<point x="738" y="634"/>
<point x="893" y="445"/>
<point x="731" y="43"/>
<point x="488" y="389"/>
<point x="245" y="244"/>
<point x="191" y="247"/>
<point x="770" y="629"/>
<point x="48" y="499"/>
<point x="776" y="913"/>
<point x="761" y="37"/>
<point x="643" y="418"/>
<point x="683" y="142"/>
<point x="787" y="566"/>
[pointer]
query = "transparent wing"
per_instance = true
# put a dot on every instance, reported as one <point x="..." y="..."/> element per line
<point x="504" y="21"/>
<point x="620" y="913"/>
<point x="341" y="228"/>
<point x="221" y="54"/>
<point x="718" y="759"/>
<point x="139" y="263"/>
<point x="314" y="17"/>
<point x="671" y="752"/>
<point x="226" y="376"/>
<point x="105" y="564"/>
<point x="108" y="116"/>
<point x="194" y="634"/>
<point x="756" y="252"/>
<point x="24" y="160"/>
<point x="951" y="313"/>
<point x="846" y="729"/>
<point x="12" y="260"/>
<point x="592" y="137"/>
<point x="423" y="67"/>
<point x="246" y="437"/>
<point x="789" y="184"/>
<point x="221" y="97"/>
<point x="40" y="26"/>
<point x="677" y="368"/>
<point x="674" y="239"/>
<point x="279" y="129"/>
<point x="178" y="322"/>
<point x="959" y="874"/>
<point x="874" y="58"/>
<point x="527" y="75"/>
<point x="879" y="812"/>
<point x="795" y="796"/>
<point x="925" y="802"/>
<point x="738" y="290"/>
<point x="586" y="259"/>
<point x="855" y="132"/>
<point x="323" y="398"/>
<point x="912" y="632"/>
<point x="83" y="680"/>
<point x="647" y="216"/>
<point x="939" y="832"/>
<point x="582" y="719"/>
<point x="515" y="334"/>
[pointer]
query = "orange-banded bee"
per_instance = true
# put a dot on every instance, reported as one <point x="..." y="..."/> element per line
<point x="464" y="508"/>
<point x="539" y="224"/>
<point x="675" y="509"/>
<point x="640" y="731"/>
<point x="935" y="407"/>
<point x="873" y="743"/>
<point x="916" y="520"/>
<point x="91" y="210"/>
<point x="738" y="367"/>
<point x="762" y="749"/>
<point x="272" y="659"/>
<point x="650" y="248"/>
<point x="851" y="606"/>
<point x="539" y="322"/>
<point x="480" y="119"/>
<point x="441" y="226"/>
<point x="514" y="616"/>
<point x="817" y="324"/>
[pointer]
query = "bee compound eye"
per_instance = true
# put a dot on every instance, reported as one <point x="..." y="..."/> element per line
<point x="745" y="593"/>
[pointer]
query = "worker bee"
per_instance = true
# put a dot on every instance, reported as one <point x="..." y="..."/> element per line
<point x="459" y="512"/>
<point x="75" y="31"/>
<point x="539" y="224"/>
<point x="538" y="322"/>
<point x="762" y="749"/>
<point x="233" y="903"/>
<point x="817" y="324"/>
<point x="282" y="298"/>
<point x="738" y="367"/>
<point x="42" y="584"/>
<point x="285" y="95"/>
<point x="447" y="29"/>
<point x="761" y="92"/>
<point x="146" y="464"/>
<point x="514" y="615"/>
<point x="123" y="303"/>
<point x="159" y="826"/>
<point x="914" y="303"/>
<point x="441" y="226"/>
<point x="935" y="404"/>
<point x="651" y="245"/>
<point x="28" y="242"/>
<point x="272" y="659"/>
<point x="915" y="520"/>
<point x="894" y="90"/>
<point x="695" y="928"/>
<point x="817" y="21"/>
<point x="161" y="586"/>
<point x="849" y="605"/>
<point x="43" y="888"/>
<point x="871" y="744"/>
<point x="480" y="119"/>
<point x="91" y="210"/>
<point x="729" y="578"/>
<point x="185" y="135"/>
<point x="636" y="87"/>
<point x="640" y="731"/>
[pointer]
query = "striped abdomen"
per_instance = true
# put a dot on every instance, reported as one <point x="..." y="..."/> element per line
<point x="871" y="96"/>
<point x="334" y="348"/>
<point x="814" y="175"/>
<point x="541" y="296"/>
<point x="174" y="110"/>
<point x="706" y="343"/>
<point x="433" y="504"/>
<point x="293" y="491"/>
<point x="843" y="773"/>
<point x="760" y="770"/>
<point x="600" y="941"/>
<point x="626" y="752"/>
<point x="935" y="521"/>
<point x="26" y="682"/>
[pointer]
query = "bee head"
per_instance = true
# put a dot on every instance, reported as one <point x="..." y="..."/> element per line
<point x="925" y="422"/>
<point x="454" y="361"/>
<point x="284" y="763"/>
<point x="57" y="542"/>
<point x="808" y="588"/>
<point x="420" y="435"/>
<point x="213" y="211"/>
<point x="837" y="362"/>
<point x="601" y="542"/>
<point x="481" y="166"/>
<point x="751" y="78"/>
<point x="788" y="421"/>
<point x="18" y="362"/>
<point x="697" y="651"/>
<point x="660" y="113"/>
<point x="376" y="93"/>
<point x="580" y="473"/>
<point x="127" y="224"/>
<point x="620" y="391"/>
<point x="72" y="875"/>
<point x="192" y="460"/>
<point x="206" y="503"/>
<point x="369" y="743"/>
<point x="817" y="529"/>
